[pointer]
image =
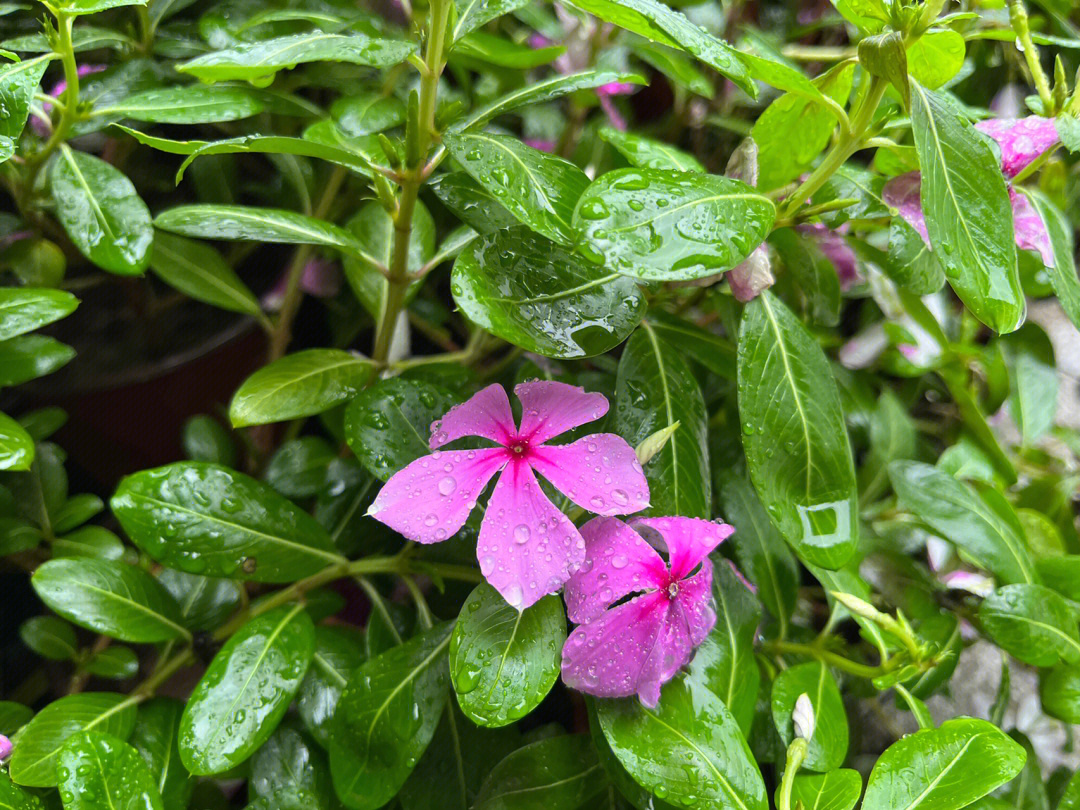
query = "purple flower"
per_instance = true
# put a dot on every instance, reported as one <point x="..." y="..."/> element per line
<point x="616" y="89"/>
<point x="1022" y="140"/>
<point x="5" y="748"/>
<point x="527" y="547"/>
<point x="637" y="646"/>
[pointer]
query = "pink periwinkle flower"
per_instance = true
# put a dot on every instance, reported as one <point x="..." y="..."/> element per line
<point x="320" y="278"/>
<point x="837" y="250"/>
<point x="5" y="748"/>
<point x="543" y="144"/>
<point x="616" y="89"/>
<point x="639" y="645"/>
<point x="1022" y="140"/>
<point x="527" y="548"/>
<point x="752" y="275"/>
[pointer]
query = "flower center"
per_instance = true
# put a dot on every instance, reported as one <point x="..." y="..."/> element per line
<point x="673" y="590"/>
<point x="518" y="447"/>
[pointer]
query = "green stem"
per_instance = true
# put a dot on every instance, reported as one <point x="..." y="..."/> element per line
<point x="1019" y="19"/>
<point x="71" y="95"/>
<point x="825" y="656"/>
<point x="412" y="179"/>
<point x="796" y="753"/>
<point x="163" y="672"/>
<point x="146" y="30"/>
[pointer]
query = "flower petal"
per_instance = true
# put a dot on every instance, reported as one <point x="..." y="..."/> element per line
<point x="695" y="601"/>
<point x="902" y="193"/>
<point x="600" y="473"/>
<point x="486" y="413"/>
<point x="836" y="249"/>
<point x="617" y="562"/>
<point x="1021" y="140"/>
<point x="430" y="499"/>
<point x="634" y="647"/>
<point x="527" y="548"/>
<point x="549" y="408"/>
<point x="752" y="275"/>
<point x="1030" y="229"/>
<point x="688" y="540"/>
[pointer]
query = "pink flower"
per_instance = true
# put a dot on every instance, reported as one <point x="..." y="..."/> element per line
<point x="836" y="249"/>
<point x="527" y="547"/>
<point x="752" y="275"/>
<point x="616" y="89"/>
<point x="541" y="144"/>
<point x="1022" y="140"/>
<point x="320" y="278"/>
<point x="538" y="41"/>
<point x="5" y="748"/>
<point x="637" y="646"/>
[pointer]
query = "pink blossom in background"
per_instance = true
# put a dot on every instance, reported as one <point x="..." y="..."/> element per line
<point x="320" y="278"/>
<point x="1008" y="102"/>
<point x="970" y="581"/>
<point x="39" y="126"/>
<point x="542" y="144"/>
<point x="527" y="548"/>
<point x="902" y="193"/>
<point x="836" y="249"/>
<point x="538" y="41"/>
<point x="616" y="89"/>
<point x="752" y="275"/>
<point x="1030" y="230"/>
<point x="637" y="646"/>
<point x="5" y="747"/>
<point x="1021" y="140"/>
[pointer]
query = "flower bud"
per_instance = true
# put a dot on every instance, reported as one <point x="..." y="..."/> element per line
<point x="802" y="718"/>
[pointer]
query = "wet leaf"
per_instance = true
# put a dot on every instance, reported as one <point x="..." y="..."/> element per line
<point x="199" y="271"/>
<point x="98" y="771"/>
<point x="553" y="774"/>
<point x="288" y="768"/>
<point x="646" y="153"/>
<point x="1031" y="623"/>
<point x="827" y="748"/>
<point x="17" y="84"/>
<point x="155" y="738"/>
<point x="835" y="790"/>
<point x="16" y="445"/>
<point x="338" y="652"/>
<point x="49" y="637"/>
<point x="193" y="104"/>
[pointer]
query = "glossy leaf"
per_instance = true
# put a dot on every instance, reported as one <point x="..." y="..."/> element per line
<point x="386" y="717"/>
<point x="199" y="271"/>
<point x="654" y="389"/>
<point x="301" y="384"/>
<point x="1029" y="356"/>
<point x="688" y="746"/>
<point x="367" y="113"/>
<point x="1031" y="623"/>
<point x="704" y="347"/>
<point x="205" y="602"/>
<point x="155" y="738"/>
<point x="1059" y="691"/>
<point x="968" y="213"/>
<point x="812" y="271"/>
<point x="101" y="212"/>
<point x="670" y="226"/>
<point x="245" y="223"/>
<point x="503" y="661"/>
<point x="17" y="84"/>
<point x="13" y="797"/>
<point x="646" y="153"/>
<point x="98" y="771"/>
<point x="551" y="774"/>
<point x="113" y="598"/>
<point x="835" y="790"/>
<point x="16" y="445"/>
<point x="187" y="105"/>
<point x="338" y="652"/>
<point x="472" y="14"/>
<point x="28" y="357"/>
<point x="936" y="57"/>
<point x="794" y="435"/>
<point x="289" y="769"/>
<point x="340" y="153"/>
<point x="49" y="637"/>
<point x="34" y="762"/>
<point x="537" y="188"/>
<point x="983" y="525"/>
<point x="13" y="716"/>
<point x="827" y="747"/>
<point x="205" y="519"/>
<point x="258" y="61"/>
<point x="543" y="298"/>
<point x="1063" y="272"/>
<point x="246" y="690"/>
<point x="473" y="203"/>
<point x="944" y="768"/>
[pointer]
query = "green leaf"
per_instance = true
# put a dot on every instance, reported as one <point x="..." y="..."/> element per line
<point x="503" y="661"/>
<point x="298" y="468"/>
<point x="866" y="15"/>
<point x="18" y="81"/>
<point x="827" y="747"/>
<point x="670" y="226"/>
<point x="89" y="541"/>
<point x="101" y="212"/>
<point x="1062" y="574"/>
<point x="646" y="153"/>
<point x="98" y="771"/>
<point x="15" y="798"/>
<point x="724" y="663"/>
<point x="205" y="439"/>
<point x="557" y="773"/>
<point x="1059" y="690"/>
<point x="341" y="155"/>
<point x="34" y="760"/>
<point x="23" y="309"/>
<point x="892" y="437"/>
<point x="542" y="297"/>
<point x="1032" y="623"/>
<point x="155" y="738"/>
<point x="705" y="348"/>
<point x="13" y="716"/>
<point x="943" y="768"/>
<point x="851" y="182"/>
<point x="781" y="157"/>
<point x="655" y="388"/>
<point x="245" y="223"/>
<point x="109" y="597"/>
<point x="814" y="274"/>
<point x="205" y="519"/>
<point x="386" y="717"/>
<point x="367" y="113"/>
<point x="659" y="23"/>
<point x="246" y="690"/>
<point x="16" y="445"/>
<point x="79" y="7"/>
<point x="759" y="547"/>
<point x="473" y="203"/>
<point x="545" y="90"/>
<point x="796" y="442"/>
<point x="389" y="424"/>
<point x="115" y="662"/>
<point x="688" y="746"/>
<point x="83" y="38"/>
<point x="968" y="213"/>
<point x="49" y="637"/>
<point x="835" y="790"/>
<point x="373" y="230"/>
<point x="675" y="65"/>
<point x="472" y="14"/>
<point x="288" y="768"/>
<point x="338" y="652"/>
<point x="192" y="104"/>
<point x="199" y="271"/>
<point x="1033" y="389"/>
<point x="301" y="384"/>
<point x="205" y="602"/>
<point x="258" y="62"/>
<point x="982" y="524"/>
<point x="501" y="52"/>
<point x="537" y="188"/>
<point x="1063" y="272"/>
<point x="936" y="57"/>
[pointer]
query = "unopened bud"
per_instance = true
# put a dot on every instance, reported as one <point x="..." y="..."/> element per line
<point x="803" y="717"/>
<point x="651" y="445"/>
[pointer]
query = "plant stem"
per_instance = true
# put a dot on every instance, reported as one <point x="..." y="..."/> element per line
<point x="825" y="656"/>
<point x="796" y="753"/>
<point x="71" y="96"/>
<point x="1019" y="20"/>
<point x="412" y="179"/>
